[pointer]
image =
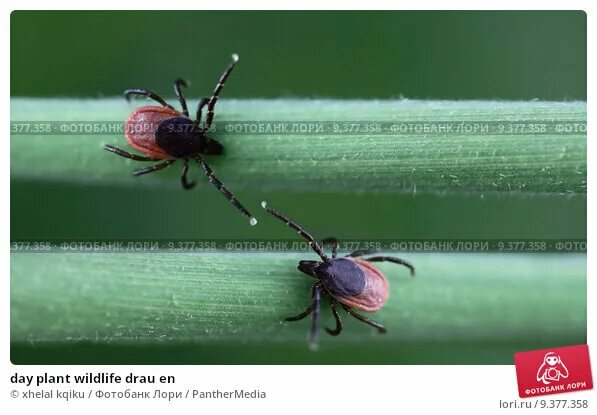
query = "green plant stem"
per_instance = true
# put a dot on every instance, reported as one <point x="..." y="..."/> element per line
<point x="219" y="300"/>
<point x="520" y="162"/>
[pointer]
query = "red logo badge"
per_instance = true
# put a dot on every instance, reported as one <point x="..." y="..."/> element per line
<point x="557" y="370"/>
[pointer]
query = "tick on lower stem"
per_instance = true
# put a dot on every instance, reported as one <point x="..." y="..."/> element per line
<point x="165" y="134"/>
<point x="352" y="282"/>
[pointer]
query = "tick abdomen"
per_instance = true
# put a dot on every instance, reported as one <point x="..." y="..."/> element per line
<point x="357" y="283"/>
<point x="140" y="129"/>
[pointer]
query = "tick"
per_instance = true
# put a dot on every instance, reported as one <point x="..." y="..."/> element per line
<point x="351" y="281"/>
<point x="165" y="134"/>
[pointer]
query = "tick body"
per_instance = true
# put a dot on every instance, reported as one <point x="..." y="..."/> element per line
<point x="167" y="135"/>
<point x="351" y="281"/>
<point x="354" y="282"/>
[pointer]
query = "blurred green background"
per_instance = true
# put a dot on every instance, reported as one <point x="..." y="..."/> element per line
<point x="427" y="55"/>
<point x="377" y="55"/>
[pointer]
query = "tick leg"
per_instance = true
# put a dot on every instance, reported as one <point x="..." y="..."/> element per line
<point x="314" y="245"/>
<point x="394" y="260"/>
<point x="185" y="169"/>
<point x="146" y="93"/>
<point x="227" y="194"/>
<point x="183" y="103"/>
<point x="153" y="168"/>
<point x="338" y="328"/>
<point x="302" y="315"/>
<point x="216" y="94"/>
<point x="128" y="155"/>
<point x="362" y="252"/>
<point x="335" y="245"/>
<point x="316" y="299"/>
<point x="365" y="320"/>
<point x="200" y="106"/>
